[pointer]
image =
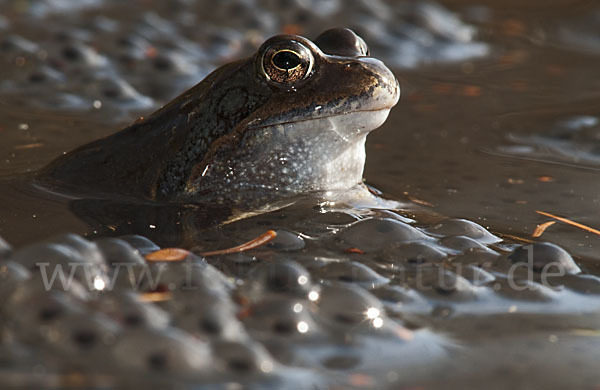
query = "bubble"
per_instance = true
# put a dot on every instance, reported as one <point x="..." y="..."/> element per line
<point x="170" y="352"/>
<point x="545" y="257"/>
<point x="463" y="227"/>
<point x="282" y="277"/>
<point x="373" y="234"/>
<point x="353" y="272"/>
<point x="119" y="252"/>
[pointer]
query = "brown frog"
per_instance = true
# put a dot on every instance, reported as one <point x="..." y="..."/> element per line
<point x="292" y="119"/>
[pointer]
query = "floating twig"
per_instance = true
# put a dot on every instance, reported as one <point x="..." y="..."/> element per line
<point x="569" y="222"/>
<point x="355" y="250"/>
<point x="515" y="238"/>
<point x="255" y="243"/>
<point x="420" y="201"/>
<point x="29" y="146"/>
<point x="168" y="254"/>
<point x="178" y="254"/>
<point x="156" y="296"/>
<point x="541" y="228"/>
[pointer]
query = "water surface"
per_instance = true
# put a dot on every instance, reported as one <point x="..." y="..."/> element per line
<point x="498" y="119"/>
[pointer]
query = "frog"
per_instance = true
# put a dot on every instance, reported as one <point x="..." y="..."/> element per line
<point x="291" y="119"/>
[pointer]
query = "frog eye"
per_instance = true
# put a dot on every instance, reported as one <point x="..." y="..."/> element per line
<point x="286" y="62"/>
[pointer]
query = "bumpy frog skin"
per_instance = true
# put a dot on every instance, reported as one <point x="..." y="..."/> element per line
<point x="287" y="121"/>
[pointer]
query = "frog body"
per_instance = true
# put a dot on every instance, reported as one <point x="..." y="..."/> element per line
<point x="289" y="120"/>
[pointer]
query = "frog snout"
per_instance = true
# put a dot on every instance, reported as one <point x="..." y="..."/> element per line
<point x="386" y="89"/>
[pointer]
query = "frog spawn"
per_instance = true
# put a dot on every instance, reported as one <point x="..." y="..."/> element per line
<point x="301" y="305"/>
<point x="110" y="64"/>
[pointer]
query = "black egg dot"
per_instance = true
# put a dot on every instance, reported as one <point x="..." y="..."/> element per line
<point x="346" y="278"/>
<point x="239" y="365"/>
<point x="444" y="290"/>
<point x="286" y="60"/>
<point x="37" y="77"/>
<point x="344" y="319"/>
<point x="157" y="361"/>
<point x="283" y="327"/>
<point x="279" y="282"/>
<point x="6" y="45"/>
<point x="416" y="260"/>
<point x="162" y="64"/>
<point x="126" y="59"/>
<point x="71" y="53"/>
<point x="84" y="338"/>
<point x="210" y="326"/>
<point x="125" y="42"/>
<point x="111" y="93"/>
<point x="133" y="320"/>
<point x="49" y="313"/>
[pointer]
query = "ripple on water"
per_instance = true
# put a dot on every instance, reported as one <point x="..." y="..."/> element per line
<point x="571" y="140"/>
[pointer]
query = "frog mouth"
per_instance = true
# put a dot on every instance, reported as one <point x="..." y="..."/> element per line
<point x="355" y="124"/>
<point x="348" y="126"/>
<point x="348" y="117"/>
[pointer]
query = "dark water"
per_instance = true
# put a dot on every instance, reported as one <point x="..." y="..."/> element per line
<point x="485" y="157"/>
<point x="499" y="117"/>
<point x="472" y="137"/>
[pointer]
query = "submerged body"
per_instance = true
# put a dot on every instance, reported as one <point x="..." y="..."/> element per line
<point x="287" y="121"/>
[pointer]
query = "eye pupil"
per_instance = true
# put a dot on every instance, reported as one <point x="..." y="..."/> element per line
<point x="286" y="60"/>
